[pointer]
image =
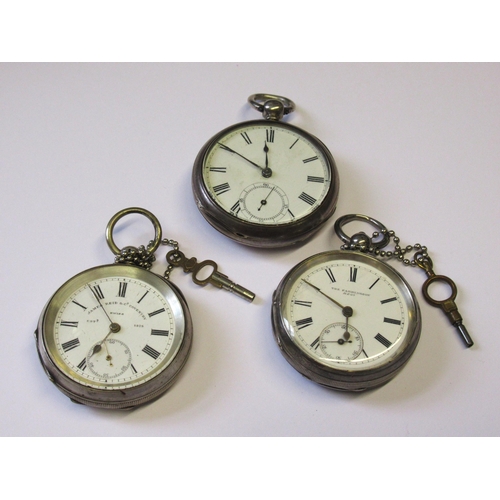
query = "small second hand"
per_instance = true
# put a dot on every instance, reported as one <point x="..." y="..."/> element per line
<point x="264" y="201"/>
<point x="108" y="357"/>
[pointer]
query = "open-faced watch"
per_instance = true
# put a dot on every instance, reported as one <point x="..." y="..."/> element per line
<point x="266" y="183"/>
<point x="116" y="336"/>
<point x="346" y="320"/>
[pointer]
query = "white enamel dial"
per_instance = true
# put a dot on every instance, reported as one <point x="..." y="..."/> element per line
<point x="266" y="174"/>
<point x="113" y="332"/>
<point x="347" y="312"/>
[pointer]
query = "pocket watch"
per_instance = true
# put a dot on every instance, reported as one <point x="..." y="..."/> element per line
<point x="266" y="183"/>
<point x="116" y="336"/>
<point x="348" y="320"/>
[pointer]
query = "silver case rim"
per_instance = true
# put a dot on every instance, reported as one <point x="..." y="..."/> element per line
<point x="258" y="235"/>
<point x="132" y="397"/>
<point x="354" y="381"/>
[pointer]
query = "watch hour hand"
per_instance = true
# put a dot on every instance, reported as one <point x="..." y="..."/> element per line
<point x="347" y="312"/>
<point x="98" y="348"/>
<point x="267" y="172"/>
<point x="339" y="341"/>
<point x="113" y="328"/>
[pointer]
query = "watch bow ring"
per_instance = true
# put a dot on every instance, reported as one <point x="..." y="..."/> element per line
<point x="361" y="240"/>
<point x="153" y="245"/>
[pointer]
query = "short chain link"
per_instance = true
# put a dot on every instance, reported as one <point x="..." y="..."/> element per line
<point x="141" y="256"/>
<point x="361" y="242"/>
<point x="175" y="246"/>
<point x="419" y="259"/>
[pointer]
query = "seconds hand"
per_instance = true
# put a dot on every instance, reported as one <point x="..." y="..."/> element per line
<point x="264" y="201"/>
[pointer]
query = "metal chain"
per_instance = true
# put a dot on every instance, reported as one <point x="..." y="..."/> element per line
<point x="175" y="246"/>
<point x="361" y="242"/>
<point x="420" y="258"/>
<point x="141" y="256"/>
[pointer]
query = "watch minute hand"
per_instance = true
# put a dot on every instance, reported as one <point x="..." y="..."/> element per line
<point x="266" y="172"/>
<point x="223" y="146"/>
<point x="324" y="294"/>
<point x="114" y="327"/>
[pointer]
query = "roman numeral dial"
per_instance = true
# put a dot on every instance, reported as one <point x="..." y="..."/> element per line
<point x="266" y="175"/>
<point x="114" y="331"/>
<point x="343" y="312"/>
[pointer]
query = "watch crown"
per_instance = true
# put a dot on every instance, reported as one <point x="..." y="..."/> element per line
<point x="360" y="241"/>
<point x="273" y="110"/>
